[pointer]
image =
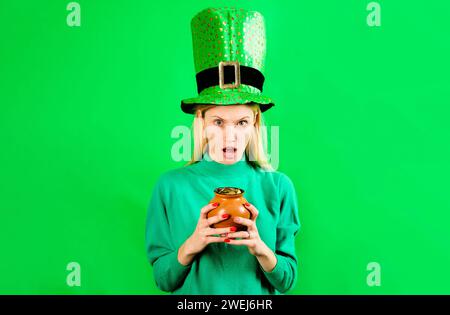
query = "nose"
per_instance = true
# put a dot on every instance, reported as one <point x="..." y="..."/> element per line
<point x="230" y="135"/>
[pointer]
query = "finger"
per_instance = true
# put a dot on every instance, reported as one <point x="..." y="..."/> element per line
<point x="224" y="236"/>
<point x="217" y="218"/>
<point x="243" y="234"/>
<point x="204" y="211"/>
<point x="252" y="209"/>
<point x="221" y="230"/>
<point x="215" y="235"/>
<point x="212" y="239"/>
<point x="243" y="221"/>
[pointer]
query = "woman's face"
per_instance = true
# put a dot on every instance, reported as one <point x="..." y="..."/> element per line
<point x="228" y="129"/>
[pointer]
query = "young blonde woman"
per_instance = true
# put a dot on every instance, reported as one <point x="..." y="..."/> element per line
<point x="187" y="254"/>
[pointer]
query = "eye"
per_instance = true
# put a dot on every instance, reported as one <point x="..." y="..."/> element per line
<point x="218" y="122"/>
<point x="243" y="123"/>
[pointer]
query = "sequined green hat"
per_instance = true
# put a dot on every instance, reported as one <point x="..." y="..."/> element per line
<point x="229" y="47"/>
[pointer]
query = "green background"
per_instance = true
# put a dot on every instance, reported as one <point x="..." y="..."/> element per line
<point x="85" y="130"/>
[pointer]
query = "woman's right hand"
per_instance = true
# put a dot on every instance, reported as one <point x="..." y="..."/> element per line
<point x="203" y="235"/>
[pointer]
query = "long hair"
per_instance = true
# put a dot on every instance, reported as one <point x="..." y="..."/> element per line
<point x="255" y="149"/>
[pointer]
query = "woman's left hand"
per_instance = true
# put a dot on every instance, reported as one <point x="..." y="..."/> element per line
<point x="250" y="238"/>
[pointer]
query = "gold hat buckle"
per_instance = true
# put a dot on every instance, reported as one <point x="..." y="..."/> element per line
<point x="237" y="75"/>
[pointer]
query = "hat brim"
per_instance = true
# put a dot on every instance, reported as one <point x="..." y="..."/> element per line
<point x="224" y="99"/>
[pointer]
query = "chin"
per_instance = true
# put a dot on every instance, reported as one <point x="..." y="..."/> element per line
<point x="233" y="160"/>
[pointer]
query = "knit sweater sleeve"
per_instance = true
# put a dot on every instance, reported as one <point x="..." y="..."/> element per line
<point x="284" y="276"/>
<point x="162" y="254"/>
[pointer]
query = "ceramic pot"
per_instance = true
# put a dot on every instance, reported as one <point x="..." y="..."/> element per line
<point x="231" y="202"/>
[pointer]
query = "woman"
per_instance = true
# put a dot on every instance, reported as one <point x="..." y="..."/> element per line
<point x="187" y="254"/>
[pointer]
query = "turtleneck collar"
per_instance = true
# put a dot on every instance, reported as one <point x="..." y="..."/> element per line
<point x="213" y="168"/>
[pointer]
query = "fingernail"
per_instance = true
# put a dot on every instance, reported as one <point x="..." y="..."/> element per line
<point x="237" y="219"/>
<point x="215" y="204"/>
<point x="225" y="216"/>
<point x="247" y="204"/>
<point x="227" y="240"/>
<point x="233" y="229"/>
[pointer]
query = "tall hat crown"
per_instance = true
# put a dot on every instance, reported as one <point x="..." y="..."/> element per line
<point x="229" y="47"/>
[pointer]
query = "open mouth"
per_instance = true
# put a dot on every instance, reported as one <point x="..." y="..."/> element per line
<point x="229" y="152"/>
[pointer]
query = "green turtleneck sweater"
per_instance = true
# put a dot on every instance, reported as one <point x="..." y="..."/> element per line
<point x="221" y="268"/>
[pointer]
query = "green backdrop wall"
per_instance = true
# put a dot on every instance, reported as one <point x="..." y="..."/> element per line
<point x="86" y="115"/>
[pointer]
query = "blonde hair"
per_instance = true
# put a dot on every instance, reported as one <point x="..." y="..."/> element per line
<point x="255" y="150"/>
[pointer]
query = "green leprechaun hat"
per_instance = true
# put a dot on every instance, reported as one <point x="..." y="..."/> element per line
<point x="229" y="47"/>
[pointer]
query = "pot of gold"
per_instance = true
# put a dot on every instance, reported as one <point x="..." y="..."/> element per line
<point x="231" y="202"/>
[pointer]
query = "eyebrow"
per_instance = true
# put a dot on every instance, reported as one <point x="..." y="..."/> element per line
<point x="238" y="119"/>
